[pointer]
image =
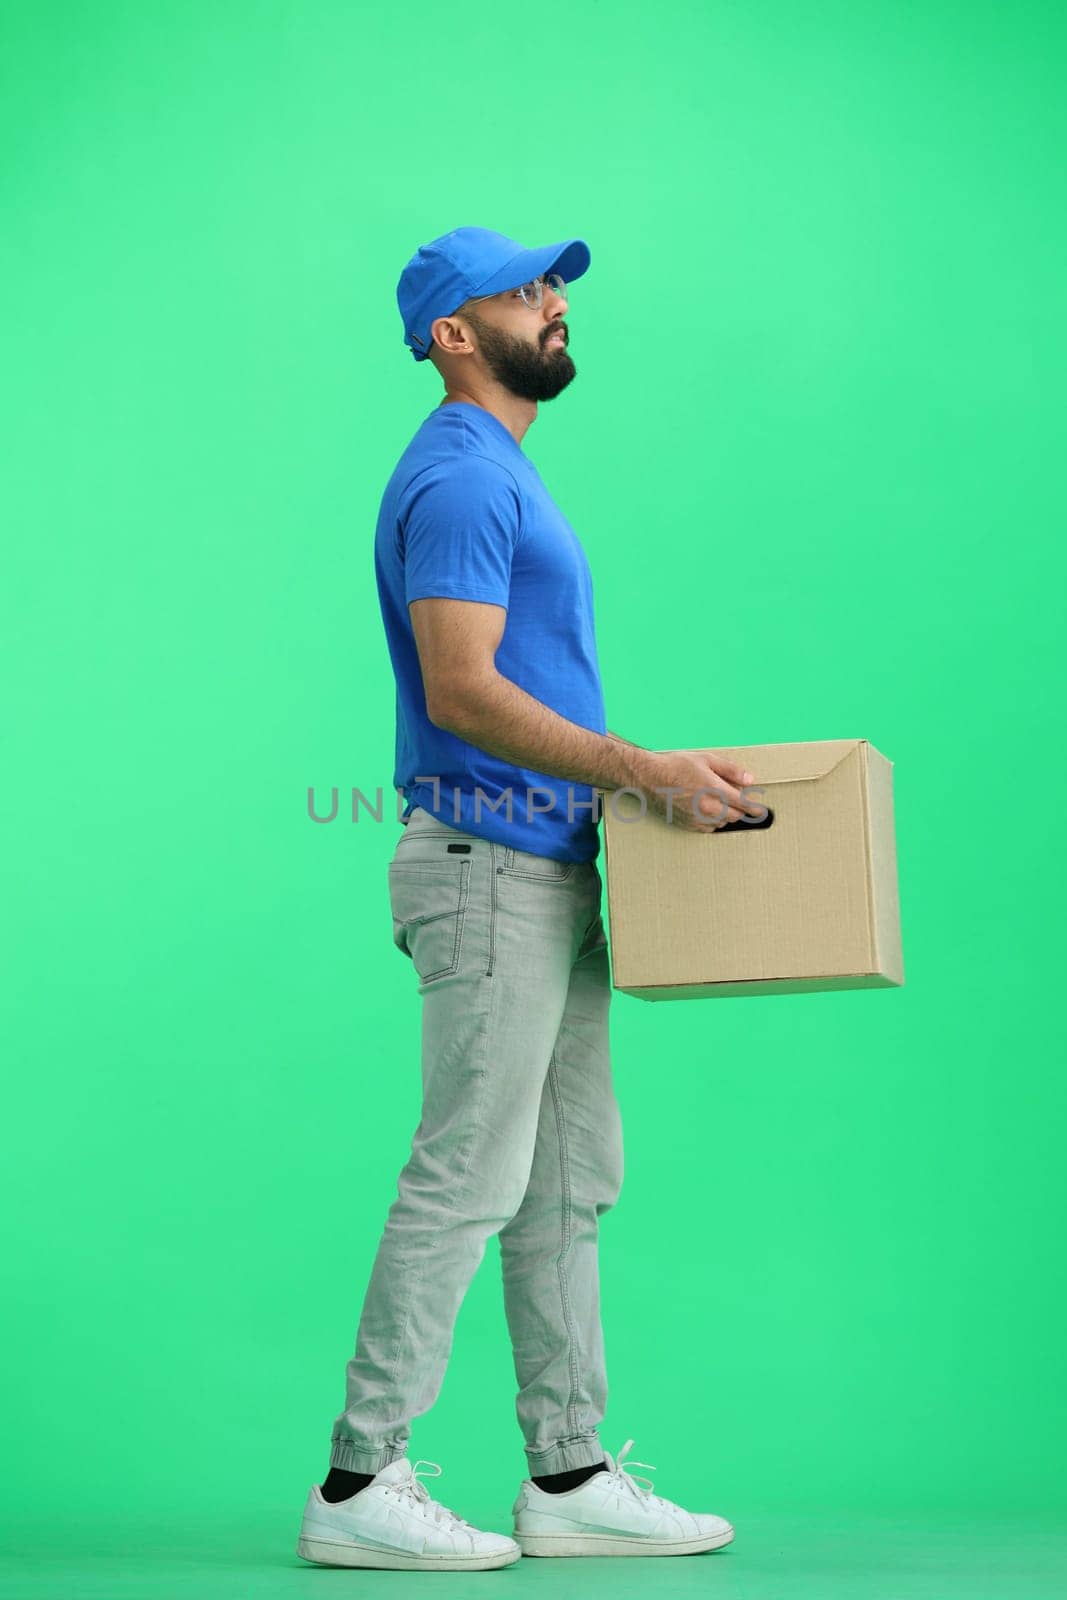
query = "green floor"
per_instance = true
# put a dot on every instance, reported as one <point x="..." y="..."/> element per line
<point x="815" y="1556"/>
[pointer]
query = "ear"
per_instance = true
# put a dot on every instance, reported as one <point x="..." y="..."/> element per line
<point x="451" y="336"/>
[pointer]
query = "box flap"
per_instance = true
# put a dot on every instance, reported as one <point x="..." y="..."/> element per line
<point x="782" y="763"/>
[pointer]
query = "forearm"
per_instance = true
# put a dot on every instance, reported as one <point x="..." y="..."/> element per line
<point x="499" y="717"/>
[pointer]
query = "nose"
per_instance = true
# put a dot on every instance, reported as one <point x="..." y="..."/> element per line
<point x="553" y="306"/>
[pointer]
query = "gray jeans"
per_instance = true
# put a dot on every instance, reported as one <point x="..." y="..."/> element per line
<point x="520" y="1136"/>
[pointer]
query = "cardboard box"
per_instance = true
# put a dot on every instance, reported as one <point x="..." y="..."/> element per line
<point x="806" y="901"/>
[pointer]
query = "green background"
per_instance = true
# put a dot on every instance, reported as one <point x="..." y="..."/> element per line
<point x="814" y="451"/>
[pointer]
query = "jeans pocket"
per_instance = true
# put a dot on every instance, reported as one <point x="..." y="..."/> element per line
<point x="595" y="936"/>
<point x="524" y="864"/>
<point x="428" y="900"/>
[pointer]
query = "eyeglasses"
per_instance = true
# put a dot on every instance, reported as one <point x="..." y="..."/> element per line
<point x="533" y="293"/>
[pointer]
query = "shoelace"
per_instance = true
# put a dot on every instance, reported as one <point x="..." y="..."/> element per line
<point x="624" y="1479"/>
<point x="418" y="1494"/>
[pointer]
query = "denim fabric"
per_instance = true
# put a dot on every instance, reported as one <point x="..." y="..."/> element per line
<point x="520" y="1136"/>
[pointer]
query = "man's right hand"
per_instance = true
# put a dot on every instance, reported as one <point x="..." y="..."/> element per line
<point x="680" y="776"/>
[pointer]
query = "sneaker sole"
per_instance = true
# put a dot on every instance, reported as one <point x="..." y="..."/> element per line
<point x="350" y="1553"/>
<point x="611" y="1544"/>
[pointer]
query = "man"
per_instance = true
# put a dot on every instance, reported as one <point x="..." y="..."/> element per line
<point x="501" y="743"/>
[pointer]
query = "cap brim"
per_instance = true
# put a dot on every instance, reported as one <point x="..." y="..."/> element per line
<point x="570" y="259"/>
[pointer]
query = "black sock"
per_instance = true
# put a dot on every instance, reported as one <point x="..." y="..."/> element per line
<point x="342" y="1485"/>
<point x="560" y="1482"/>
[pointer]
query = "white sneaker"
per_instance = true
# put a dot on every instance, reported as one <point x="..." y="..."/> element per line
<point x="393" y="1523"/>
<point x="608" y="1515"/>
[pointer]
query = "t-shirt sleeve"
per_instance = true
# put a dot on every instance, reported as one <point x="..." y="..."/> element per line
<point x="459" y="523"/>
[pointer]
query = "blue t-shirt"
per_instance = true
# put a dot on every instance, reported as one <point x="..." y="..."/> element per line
<point x="466" y="516"/>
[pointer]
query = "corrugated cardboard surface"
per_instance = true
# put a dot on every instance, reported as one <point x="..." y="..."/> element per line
<point x="808" y="903"/>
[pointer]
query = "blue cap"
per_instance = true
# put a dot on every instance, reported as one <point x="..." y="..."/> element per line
<point x="469" y="262"/>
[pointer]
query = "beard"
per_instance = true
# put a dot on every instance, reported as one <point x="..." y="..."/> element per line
<point x="529" y="371"/>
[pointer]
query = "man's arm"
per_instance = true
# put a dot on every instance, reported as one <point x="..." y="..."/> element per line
<point x="457" y="641"/>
